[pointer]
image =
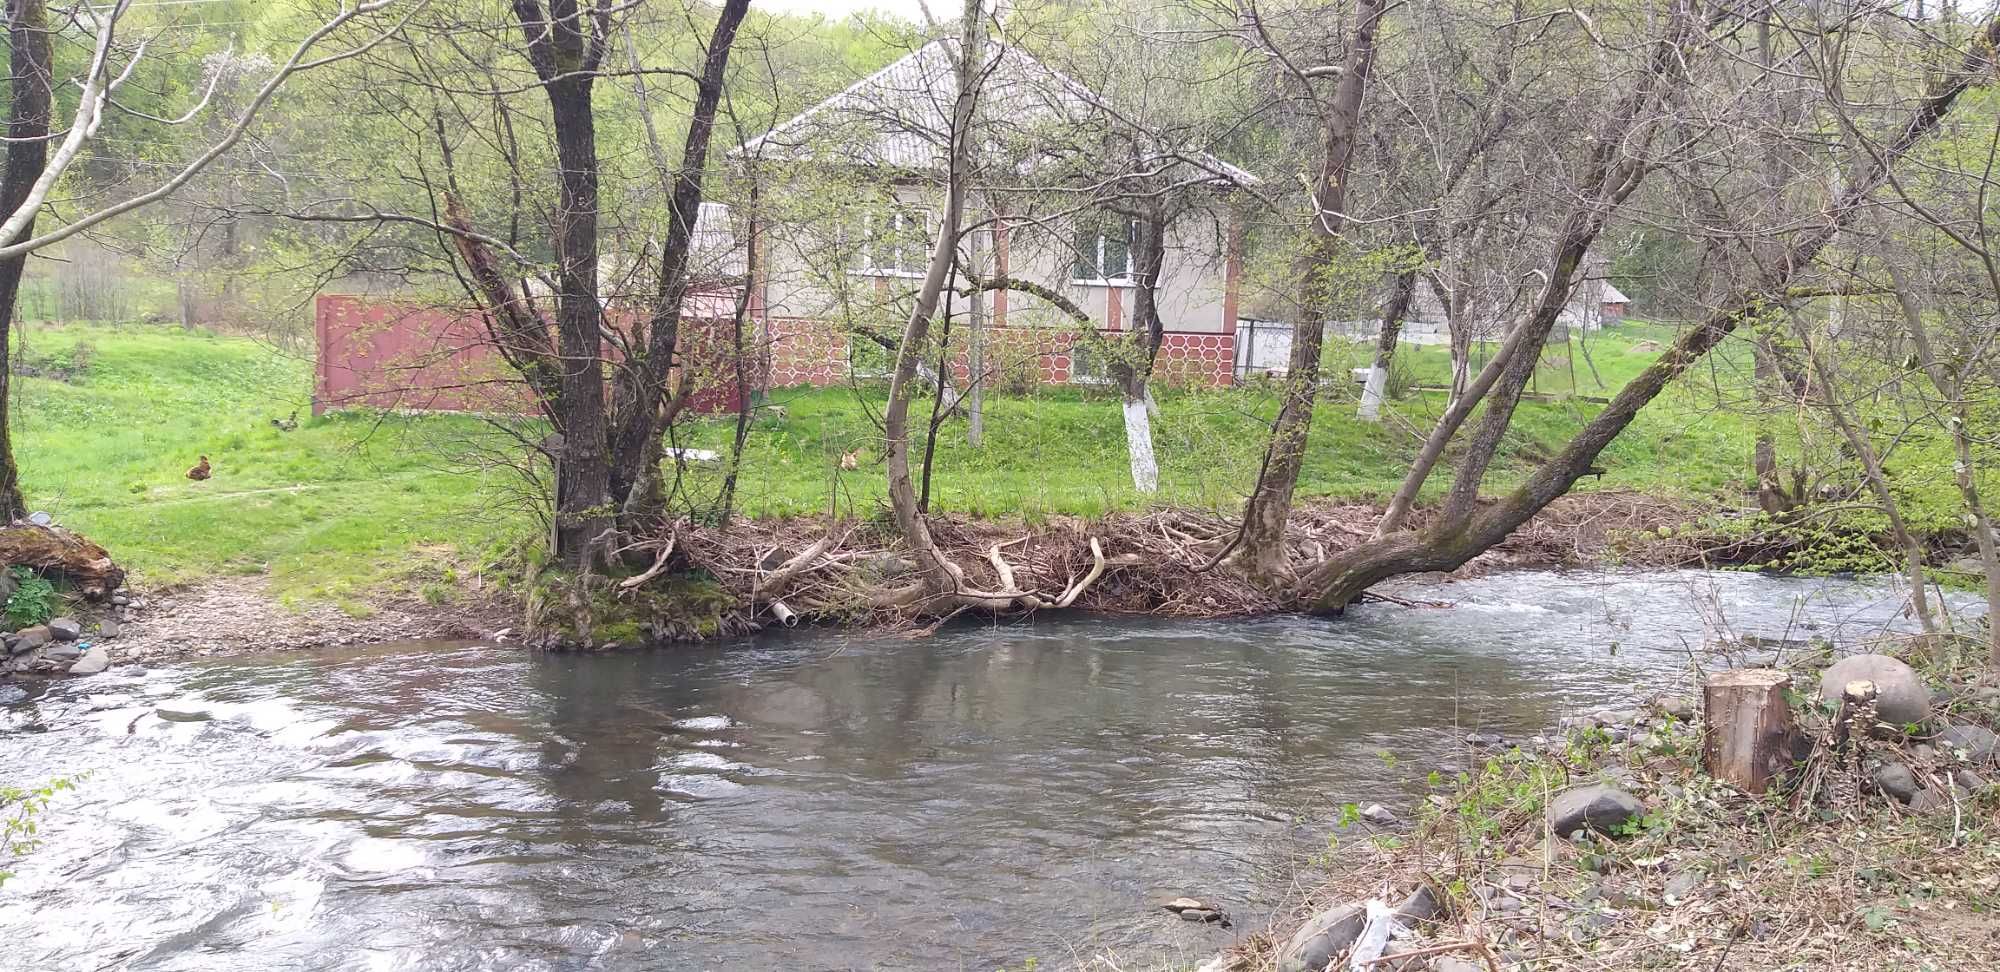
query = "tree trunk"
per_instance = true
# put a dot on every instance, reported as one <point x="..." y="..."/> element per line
<point x="939" y="575"/>
<point x="27" y="153"/>
<point x="583" y="488"/>
<point x="642" y="383"/>
<point x="1134" y="377"/>
<point x="1771" y="495"/>
<point x="1262" y="550"/>
<point x="1747" y="728"/>
<point x="1393" y="313"/>
<point x="975" y="349"/>
<point x="1871" y="469"/>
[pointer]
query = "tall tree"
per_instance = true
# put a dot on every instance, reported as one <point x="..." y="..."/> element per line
<point x="1318" y="274"/>
<point x="27" y="154"/>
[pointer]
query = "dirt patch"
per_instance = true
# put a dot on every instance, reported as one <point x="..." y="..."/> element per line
<point x="240" y="615"/>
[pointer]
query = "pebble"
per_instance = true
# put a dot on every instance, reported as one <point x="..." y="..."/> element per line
<point x="1681" y="884"/>
<point x="1379" y="815"/>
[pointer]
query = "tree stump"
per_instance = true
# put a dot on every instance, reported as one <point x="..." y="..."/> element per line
<point x="1858" y="701"/>
<point x="1747" y="728"/>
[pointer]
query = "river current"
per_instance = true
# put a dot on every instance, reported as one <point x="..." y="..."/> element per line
<point x="805" y="800"/>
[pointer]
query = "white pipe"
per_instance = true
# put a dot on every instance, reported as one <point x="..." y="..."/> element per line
<point x="784" y="614"/>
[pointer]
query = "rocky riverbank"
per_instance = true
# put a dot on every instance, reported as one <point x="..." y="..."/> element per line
<point x="232" y="616"/>
<point x="1605" y="844"/>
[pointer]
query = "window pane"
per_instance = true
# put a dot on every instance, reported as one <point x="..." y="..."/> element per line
<point x="1117" y="253"/>
<point x="1084" y="266"/>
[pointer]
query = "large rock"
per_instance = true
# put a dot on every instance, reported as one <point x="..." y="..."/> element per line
<point x="63" y="651"/>
<point x="1601" y="808"/>
<point x="1977" y="744"/>
<point x="1897" y="781"/>
<point x="1328" y="935"/>
<point x="92" y="662"/>
<point x="1901" y="697"/>
<point x="65" y="629"/>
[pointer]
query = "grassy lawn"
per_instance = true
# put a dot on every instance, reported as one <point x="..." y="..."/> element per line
<point x="353" y="505"/>
<point x="334" y="509"/>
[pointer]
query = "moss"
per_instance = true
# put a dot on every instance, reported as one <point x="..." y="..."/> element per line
<point x="667" y="609"/>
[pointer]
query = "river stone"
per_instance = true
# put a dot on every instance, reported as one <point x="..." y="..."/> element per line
<point x="1896" y="780"/>
<point x="1327" y="936"/>
<point x="108" y="628"/>
<point x="1379" y="815"/>
<point x="1977" y="743"/>
<point x="1421" y="905"/>
<point x="67" y="651"/>
<point x="1901" y="698"/>
<point x="65" y="629"/>
<point x="91" y="663"/>
<point x="1600" y="808"/>
<point x="29" y="639"/>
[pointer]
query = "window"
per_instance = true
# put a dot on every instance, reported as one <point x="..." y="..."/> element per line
<point x="1104" y="251"/>
<point x="895" y="242"/>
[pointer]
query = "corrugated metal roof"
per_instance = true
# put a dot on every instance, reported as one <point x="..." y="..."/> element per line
<point x="900" y="116"/>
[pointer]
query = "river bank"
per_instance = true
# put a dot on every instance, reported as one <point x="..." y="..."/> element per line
<point x="1153" y="568"/>
<point x="1604" y="844"/>
<point x="238" y="616"/>
<point x="710" y="583"/>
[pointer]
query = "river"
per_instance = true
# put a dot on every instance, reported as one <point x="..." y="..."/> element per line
<point x="803" y="800"/>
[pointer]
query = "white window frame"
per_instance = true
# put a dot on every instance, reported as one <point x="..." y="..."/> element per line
<point x="906" y="225"/>
<point x="1097" y="241"/>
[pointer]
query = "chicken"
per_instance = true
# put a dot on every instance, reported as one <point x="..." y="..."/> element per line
<point x="286" y="424"/>
<point x="851" y="460"/>
<point x="199" y="471"/>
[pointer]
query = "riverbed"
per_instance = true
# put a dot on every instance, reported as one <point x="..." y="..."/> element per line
<point x="804" y="800"/>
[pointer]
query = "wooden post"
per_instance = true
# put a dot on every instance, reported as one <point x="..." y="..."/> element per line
<point x="1747" y="728"/>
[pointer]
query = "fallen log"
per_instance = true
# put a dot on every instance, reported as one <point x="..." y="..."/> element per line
<point x="68" y="556"/>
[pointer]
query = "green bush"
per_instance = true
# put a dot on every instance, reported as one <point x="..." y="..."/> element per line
<point x="33" y="602"/>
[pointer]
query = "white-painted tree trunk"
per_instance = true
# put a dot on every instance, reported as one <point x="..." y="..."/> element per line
<point x="1152" y="407"/>
<point x="1371" y="395"/>
<point x="1139" y="442"/>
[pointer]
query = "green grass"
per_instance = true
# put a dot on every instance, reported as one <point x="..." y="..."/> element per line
<point x="340" y="508"/>
<point x="354" y="505"/>
<point x="1062" y="450"/>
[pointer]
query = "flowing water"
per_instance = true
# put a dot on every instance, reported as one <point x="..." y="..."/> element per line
<point x="808" y="801"/>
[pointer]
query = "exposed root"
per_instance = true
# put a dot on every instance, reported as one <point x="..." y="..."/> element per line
<point x="1154" y="563"/>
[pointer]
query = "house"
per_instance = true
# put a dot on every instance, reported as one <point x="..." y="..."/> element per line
<point x="851" y="192"/>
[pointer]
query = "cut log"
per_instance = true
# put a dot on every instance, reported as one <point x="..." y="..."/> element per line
<point x="1747" y="729"/>
<point x="53" y="550"/>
